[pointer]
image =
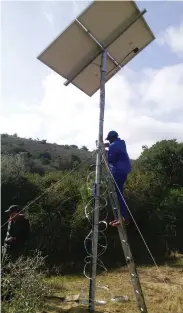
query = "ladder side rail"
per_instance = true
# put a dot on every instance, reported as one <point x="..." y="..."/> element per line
<point x="129" y="260"/>
<point x="124" y="242"/>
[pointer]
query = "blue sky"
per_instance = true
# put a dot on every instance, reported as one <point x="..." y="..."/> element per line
<point x="27" y="84"/>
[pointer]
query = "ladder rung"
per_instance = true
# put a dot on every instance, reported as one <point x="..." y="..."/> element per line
<point x="124" y="242"/>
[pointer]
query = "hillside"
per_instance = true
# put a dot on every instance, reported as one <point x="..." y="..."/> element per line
<point x="43" y="156"/>
<point x="47" y="156"/>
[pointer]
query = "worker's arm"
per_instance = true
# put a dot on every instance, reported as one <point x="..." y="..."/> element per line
<point x="10" y="237"/>
<point x="116" y="152"/>
<point x="10" y="240"/>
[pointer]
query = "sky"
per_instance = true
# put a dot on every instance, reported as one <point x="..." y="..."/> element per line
<point x="144" y="102"/>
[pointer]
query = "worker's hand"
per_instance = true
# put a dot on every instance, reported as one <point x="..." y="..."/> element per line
<point x="11" y="239"/>
<point x="106" y="145"/>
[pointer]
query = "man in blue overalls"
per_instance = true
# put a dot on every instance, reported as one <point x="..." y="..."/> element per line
<point x="120" y="167"/>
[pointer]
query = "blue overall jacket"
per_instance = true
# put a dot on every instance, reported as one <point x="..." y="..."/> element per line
<point x="118" y="158"/>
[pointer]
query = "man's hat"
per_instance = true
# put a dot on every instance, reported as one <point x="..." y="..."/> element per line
<point x="13" y="208"/>
<point x="112" y="133"/>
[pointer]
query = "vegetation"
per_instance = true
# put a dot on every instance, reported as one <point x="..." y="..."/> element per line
<point x="41" y="156"/>
<point x="154" y="193"/>
<point x="41" y="177"/>
<point x="22" y="285"/>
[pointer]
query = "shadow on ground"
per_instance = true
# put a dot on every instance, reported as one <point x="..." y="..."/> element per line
<point x="55" y="309"/>
<point x="56" y="306"/>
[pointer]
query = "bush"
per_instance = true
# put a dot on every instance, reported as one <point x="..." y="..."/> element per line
<point x="45" y="155"/>
<point x="11" y="167"/>
<point x="15" y="149"/>
<point x="35" y="166"/>
<point x="43" y="141"/>
<point x="74" y="146"/>
<point x="4" y="135"/>
<point x="84" y="148"/>
<point x="45" y="161"/>
<point x="23" y="285"/>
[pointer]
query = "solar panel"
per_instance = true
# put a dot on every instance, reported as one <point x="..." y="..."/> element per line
<point x="116" y="25"/>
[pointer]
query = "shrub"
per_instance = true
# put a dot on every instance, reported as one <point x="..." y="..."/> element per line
<point x="43" y="141"/>
<point x="74" y="146"/>
<point x="45" y="155"/>
<point x="23" y="285"/>
<point x="15" y="149"/>
<point x="12" y="167"/>
<point x="4" y="135"/>
<point x="84" y="148"/>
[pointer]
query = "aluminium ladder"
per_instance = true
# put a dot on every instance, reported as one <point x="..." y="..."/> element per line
<point x="123" y="237"/>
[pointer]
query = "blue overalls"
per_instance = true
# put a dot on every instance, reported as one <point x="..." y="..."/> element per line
<point x="119" y="164"/>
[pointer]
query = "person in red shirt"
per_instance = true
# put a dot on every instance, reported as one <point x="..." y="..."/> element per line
<point x="17" y="233"/>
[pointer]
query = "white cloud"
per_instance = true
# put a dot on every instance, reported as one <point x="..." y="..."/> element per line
<point x="173" y="37"/>
<point x="49" y="17"/>
<point x="143" y="107"/>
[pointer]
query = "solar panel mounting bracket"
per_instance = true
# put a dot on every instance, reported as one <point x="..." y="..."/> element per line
<point x="104" y="48"/>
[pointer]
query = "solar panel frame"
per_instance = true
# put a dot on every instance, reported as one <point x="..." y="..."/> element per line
<point x="77" y="58"/>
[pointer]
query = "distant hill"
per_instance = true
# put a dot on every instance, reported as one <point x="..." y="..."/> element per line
<point x="43" y="154"/>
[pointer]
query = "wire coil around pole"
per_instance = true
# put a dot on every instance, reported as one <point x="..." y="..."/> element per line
<point x="102" y="242"/>
<point x="102" y="239"/>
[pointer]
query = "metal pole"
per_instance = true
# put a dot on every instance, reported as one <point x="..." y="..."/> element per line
<point x="91" y="307"/>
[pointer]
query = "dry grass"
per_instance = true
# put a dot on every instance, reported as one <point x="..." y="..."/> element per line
<point x="161" y="295"/>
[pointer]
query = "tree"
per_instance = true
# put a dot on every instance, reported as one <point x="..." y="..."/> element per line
<point x="11" y="167"/>
<point x="165" y="161"/>
<point x="43" y="141"/>
<point x="75" y="158"/>
<point x="15" y="149"/>
<point x="45" y="155"/>
<point x="35" y="166"/>
<point x="84" y="148"/>
<point x="74" y="146"/>
<point x="156" y="176"/>
<point x="4" y="135"/>
<point x="45" y="161"/>
<point x="66" y="146"/>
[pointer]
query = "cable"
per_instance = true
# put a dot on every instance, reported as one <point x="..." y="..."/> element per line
<point x="102" y="239"/>
<point x="120" y="63"/>
<point x="89" y="210"/>
<point x="55" y="184"/>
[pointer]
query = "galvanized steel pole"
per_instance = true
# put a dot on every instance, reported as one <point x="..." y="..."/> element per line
<point x="92" y="290"/>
